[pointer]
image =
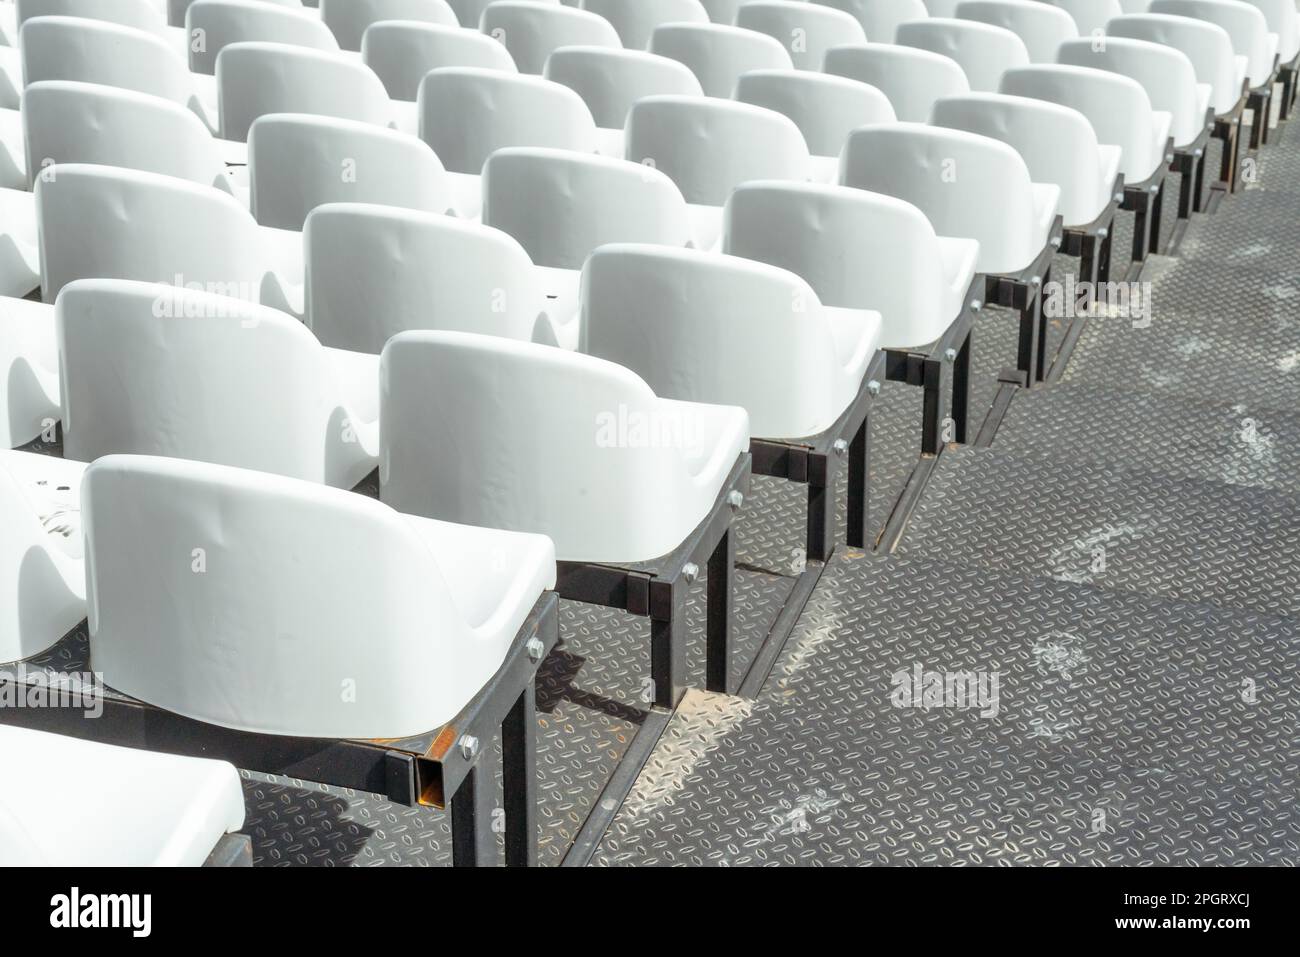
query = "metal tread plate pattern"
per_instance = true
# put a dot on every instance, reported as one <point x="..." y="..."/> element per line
<point x="1142" y="531"/>
<point x="1128" y="730"/>
<point x="1233" y="444"/>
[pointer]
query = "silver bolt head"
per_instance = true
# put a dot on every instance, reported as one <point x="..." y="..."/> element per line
<point x="950" y="355"/>
<point x="873" y="387"/>
<point x="976" y="305"/>
<point x="1103" y="233"/>
<point x="468" y="747"/>
<point x="535" y="648"/>
<point x="1055" y="242"/>
<point x="735" y="498"/>
<point x="690" y="571"/>
<point x="840" y="446"/>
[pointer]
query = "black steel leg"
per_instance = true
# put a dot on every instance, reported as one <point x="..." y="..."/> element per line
<point x="519" y="779"/>
<point x="859" y="508"/>
<point x="667" y="638"/>
<point x="821" y="519"/>
<point x="1043" y="319"/>
<point x="473" y="843"/>
<point x="1142" y="228"/>
<point x="1155" y="217"/>
<point x="1029" y="348"/>
<point x="1103" y="259"/>
<point x="932" y="385"/>
<point x="720" y="603"/>
<point x="961" y="390"/>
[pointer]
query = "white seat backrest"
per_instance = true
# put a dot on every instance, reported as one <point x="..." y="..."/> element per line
<point x="467" y="114"/>
<point x="215" y="24"/>
<point x="942" y="8"/>
<point x="401" y="53"/>
<point x="1041" y="26"/>
<point x="299" y="162"/>
<point x="561" y="205"/>
<point x="610" y="81"/>
<point x="912" y="78"/>
<point x="1165" y="73"/>
<point x="1090" y="16"/>
<point x="94" y="51"/>
<point x="1135" y="6"/>
<point x="667" y="314"/>
<point x="349" y="19"/>
<point x="470" y="12"/>
<point x="1057" y="143"/>
<point x="176" y="9"/>
<point x="137" y="14"/>
<point x="880" y="18"/>
<point x="263" y="570"/>
<point x="375" y="271"/>
<point x="101" y="222"/>
<point x="1283" y="17"/>
<point x="967" y="185"/>
<point x="536" y="438"/>
<point x="708" y="146"/>
<point x="825" y="108"/>
<point x="635" y="20"/>
<point x="1244" y="23"/>
<point x="532" y="31"/>
<point x="259" y="78"/>
<point x="719" y="54"/>
<point x="806" y="30"/>
<point x="857" y="249"/>
<point x="982" y="50"/>
<point x="69" y="122"/>
<point x="1116" y="106"/>
<point x="1206" y="44"/>
<point x="211" y="378"/>
<point x="723" y="11"/>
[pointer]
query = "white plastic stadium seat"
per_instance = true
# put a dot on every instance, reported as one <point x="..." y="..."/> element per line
<point x="806" y="30"/>
<point x="562" y="205"/>
<point x="306" y="591"/>
<point x="100" y="222"/>
<point x="718" y="54"/>
<point x="982" y="51"/>
<point x="470" y="12"/>
<point x="148" y="809"/>
<point x="298" y="162"/>
<point x="468" y="114"/>
<point x="42" y="577"/>
<point x="223" y="22"/>
<point x="721" y="11"/>
<point x="610" y="81"/>
<point x="570" y="446"/>
<point x="1090" y="16"/>
<point x="401" y="53"/>
<point x="635" y="20"/>
<point x="87" y="123"/>
<point x="825" y="108"/>
<point x="158" y="370"/>
<point x="1245" y="25"/>
<point x="1207" y="45"/>
<point x="706" y="327"/>
<point x="136" y="14"/>
<point x="709" y="146"/>
<point x="254" y="79"/>
<point x="375" y="271"/>
<point x="992" y="200"/>
<point x="1283" y="18"/>
<point x="1041" y="26"/>
<point x="1117" y="107"/>
<point x="349" y="19"/>
<point x="857" y="250"/>
<point x="1057" y="143"/>
<point x="531" y="31"/>
<point x="1166" y="74"/>
<point x="912" y="78"/>
<point x="880" y="18"/>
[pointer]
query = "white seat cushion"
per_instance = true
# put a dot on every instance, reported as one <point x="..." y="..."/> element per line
<point x="147" y="810"/>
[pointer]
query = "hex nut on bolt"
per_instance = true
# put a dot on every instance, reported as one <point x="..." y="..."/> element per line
<point x="950" y="355"/>
<point x="873" y="387"/>
<point x="690" y="571"/>
<point x="535" y="648"/>
<point x="468" y="747"/>
<point x="735" y="498"/>
<point x="840" y="446"/>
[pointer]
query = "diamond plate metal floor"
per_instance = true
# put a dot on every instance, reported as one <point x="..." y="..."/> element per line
<point x="1129" y="730"/>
